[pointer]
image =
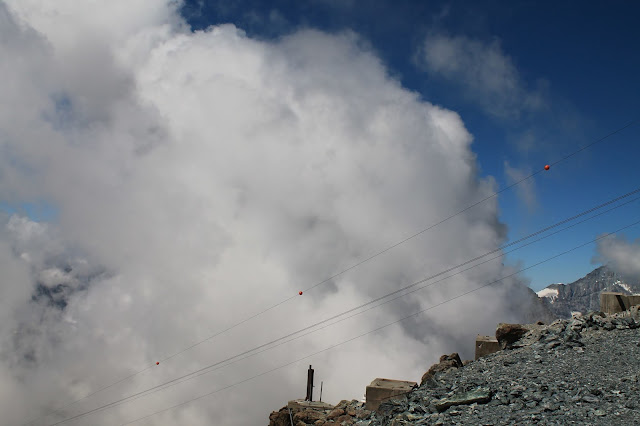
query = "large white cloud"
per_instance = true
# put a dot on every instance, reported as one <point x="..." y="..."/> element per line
<point x="202" y="177"/>
<point x="621" y="255"/>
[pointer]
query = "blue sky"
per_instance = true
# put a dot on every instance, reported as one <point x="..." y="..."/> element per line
<point x="580" y="58"/>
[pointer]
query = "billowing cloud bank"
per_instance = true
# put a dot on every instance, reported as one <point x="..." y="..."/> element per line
<point x="621" y="255"/>
<point x="486" y="72"/>
<point x="200" y="178"/>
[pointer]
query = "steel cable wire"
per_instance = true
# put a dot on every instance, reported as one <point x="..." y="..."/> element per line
<point x="203" y="370"/>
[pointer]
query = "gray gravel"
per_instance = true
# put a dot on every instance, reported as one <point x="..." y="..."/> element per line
<point x="585" y="370"/>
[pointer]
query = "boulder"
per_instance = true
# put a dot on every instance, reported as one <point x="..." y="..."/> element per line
<point x="508" y="334"/>
<point x="447" y="362"/>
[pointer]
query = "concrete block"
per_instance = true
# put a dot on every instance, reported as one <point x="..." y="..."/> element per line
<point x="381" y="390"/>
<point x="486" y="345"/>
<point x="301" y="404"/>
<point x="612" y="302"/>
<point x="634" y="300"/>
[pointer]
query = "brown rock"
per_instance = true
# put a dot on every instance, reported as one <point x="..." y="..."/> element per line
<point x="320" y="422"/>
<point x="351" y="411"/>
<point x="343" y="404"/>
<point x="454" y="358"/>
<point x="308" y="416"/>
<point x="280" y="418"/>
<point x="447" y="362"/>
<point x="345" y="420"/>
<point x="336" y="412"/>
<point x="508" y="334"/>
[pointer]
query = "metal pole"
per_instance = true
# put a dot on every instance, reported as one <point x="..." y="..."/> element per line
<point x="309" y="396"/>
<point x="321" y="391"/>
<point x="290" y="418"/>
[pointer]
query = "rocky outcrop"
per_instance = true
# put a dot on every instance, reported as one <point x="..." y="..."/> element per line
<point x="584" y="368"/>
<point x="280" y="418"/>
<point x="568" y="333"/>
<point x="345" y="413"/>
<point x="447" y="362"/>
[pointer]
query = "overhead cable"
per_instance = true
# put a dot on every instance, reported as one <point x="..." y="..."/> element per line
<point x="379" y="328"/>
<point x="210" y="368"/>
<point x="633" y="122"/>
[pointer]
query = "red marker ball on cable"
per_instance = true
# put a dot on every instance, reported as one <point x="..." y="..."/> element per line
<point x="546" y="167"/>
<point x="157" y="363"/>
<point x="300" y="293"/>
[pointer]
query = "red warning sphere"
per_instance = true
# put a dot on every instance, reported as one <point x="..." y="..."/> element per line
<point x="157" y="362"/>
<point x="546" y="167"/>
<point x="300" y="293"/>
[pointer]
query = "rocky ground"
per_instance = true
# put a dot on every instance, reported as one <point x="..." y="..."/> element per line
<point x="584" y="370"/>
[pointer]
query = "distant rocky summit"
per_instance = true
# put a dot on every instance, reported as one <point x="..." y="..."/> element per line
<point x="583" y="295"/>
<point x="536" y="308"/>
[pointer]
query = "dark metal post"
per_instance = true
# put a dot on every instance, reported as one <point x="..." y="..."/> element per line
<point x="309" y="396"/>
<point x="321" y="391"/>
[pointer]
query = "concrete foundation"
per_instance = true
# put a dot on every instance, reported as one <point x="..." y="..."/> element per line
<point x="611" y="302"/>
<point x="381" y="390"/>
<point x="486" y="345"/>
<point x="301" y="404"/>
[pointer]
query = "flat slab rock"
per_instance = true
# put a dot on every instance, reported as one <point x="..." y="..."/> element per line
<point x="481" y="395"/>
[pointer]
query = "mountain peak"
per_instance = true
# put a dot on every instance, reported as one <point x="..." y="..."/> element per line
<point x="584" y="294"/>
